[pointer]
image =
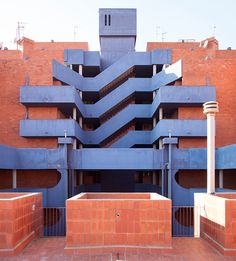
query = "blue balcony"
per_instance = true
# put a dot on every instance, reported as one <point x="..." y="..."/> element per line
<point x="113" y="72"/>
<point x="70" y="128"/>
<point x="67" y="96"/>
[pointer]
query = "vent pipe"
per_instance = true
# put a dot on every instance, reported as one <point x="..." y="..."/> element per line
<point x="210" y="108"/>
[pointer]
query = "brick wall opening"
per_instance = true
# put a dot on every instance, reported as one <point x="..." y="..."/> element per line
<point x="229" y="178"/>
<point x="194" y="178"/>
<point x="5" y="179"/>
<point x="30" y="179"/>
<point x="198" y="178"/>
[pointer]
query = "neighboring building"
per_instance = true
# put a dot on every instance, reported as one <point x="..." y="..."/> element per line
<point x="74" y="120"/>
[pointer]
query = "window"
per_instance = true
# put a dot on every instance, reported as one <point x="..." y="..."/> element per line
<point x="105" y="20"/>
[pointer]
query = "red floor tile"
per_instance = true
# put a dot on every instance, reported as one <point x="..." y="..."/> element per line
<point x="184" y="249"/>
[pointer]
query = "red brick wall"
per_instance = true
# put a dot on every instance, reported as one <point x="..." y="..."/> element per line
<point x="229" y="179"/>
<point x="212" y="230"/>
<point x="37" y="178"/>
<point x="10" y="54"/>
<point x="230" y="226"/>
<point x="118" y="222"/>
<point x="226" y="54"/>
<point x="194" y="178"/>
<point x="190" y="114"/>
<point x="19" y="222"/>
<point x="186" y="143"/>
<point x="5" y="179"/>
<point x="37" y="113"/>
<point x="30" y="178"/>
<point x="35" y="64"/>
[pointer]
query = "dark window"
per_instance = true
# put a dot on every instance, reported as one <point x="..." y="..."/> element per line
<point x="105" y="20"/>
<point x="109" y="20"/>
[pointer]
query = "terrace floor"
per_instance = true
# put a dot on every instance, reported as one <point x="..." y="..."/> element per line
<point x="52" y="248"/>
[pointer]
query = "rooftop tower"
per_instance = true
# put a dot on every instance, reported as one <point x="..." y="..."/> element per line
<point x="117" y="34"/>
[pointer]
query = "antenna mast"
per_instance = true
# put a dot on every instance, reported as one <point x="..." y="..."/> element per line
<point x="19" y="32"/>
<point x="75" y="32"/>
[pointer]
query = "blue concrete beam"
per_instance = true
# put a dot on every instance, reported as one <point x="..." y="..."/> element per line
<point x="226" y="157"/>
<point x="13" y="158"/>
<point x="162" y="56"/>
<point x="112" y="158"/>
<point x="189" y="159"/>
<point x="78" y="56"/>
<point x="115" y="159"/>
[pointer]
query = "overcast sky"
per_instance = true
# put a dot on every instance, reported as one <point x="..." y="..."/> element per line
<point x="168" y="19"/>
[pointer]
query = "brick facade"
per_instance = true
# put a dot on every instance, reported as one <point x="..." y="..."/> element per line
<point x="207" y="65"/>
<point x="32" y="65"/>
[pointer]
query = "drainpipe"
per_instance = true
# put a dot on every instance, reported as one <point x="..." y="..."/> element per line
<point x="210" y="109"/>
<point x="163" y="191"/>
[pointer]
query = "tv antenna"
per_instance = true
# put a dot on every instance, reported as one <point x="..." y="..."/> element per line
<point x="157" y="32"/>
<point x="19" y="32"/>
<point x="163" y="36"/>
<point x="76" y="27"/>
<point x="214" y="30"/>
